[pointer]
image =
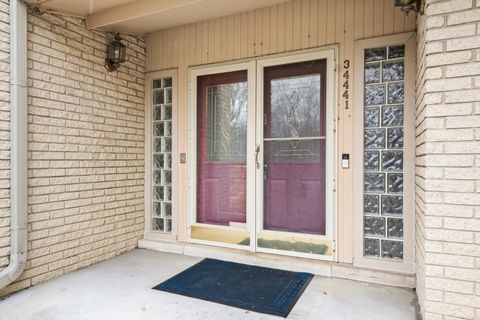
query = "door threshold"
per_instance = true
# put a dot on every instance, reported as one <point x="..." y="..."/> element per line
<point x="296" y="264"/>
<point x="317" y="267"/>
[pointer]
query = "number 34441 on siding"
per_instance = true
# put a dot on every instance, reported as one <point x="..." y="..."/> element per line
<point x="346" y="83"/>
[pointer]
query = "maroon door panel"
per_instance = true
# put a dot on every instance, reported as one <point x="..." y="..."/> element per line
<point x="222" y="199"/>
<point x="296" y="202"/>
<point x="294" y="147"/>
<point x="221" y="148"/>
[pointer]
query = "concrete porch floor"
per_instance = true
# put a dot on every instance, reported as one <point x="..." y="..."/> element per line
<point x="120" y="288"/>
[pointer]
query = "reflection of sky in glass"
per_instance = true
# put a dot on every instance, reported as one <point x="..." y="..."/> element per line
<point x="227" y="122"/>
<point x="295" y="107"/>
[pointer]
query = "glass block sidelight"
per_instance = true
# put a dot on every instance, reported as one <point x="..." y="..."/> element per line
<point x="162" y="155"/>
<point x="392" y="116"/>
<point x="395" y="92"/>
<point x="392" y="205"/>
<point x="375" y="54"/>
<point x="383" y="142"/>
<point x="392" y="249"/>
<point x="374" y="139"/>
<point x="395" y="228"/>
<point x="375" y="226"/>
<point x="395" y="183"/>
<point x="392" y="160"/>
<point x="392" y="71"/>
<point x="395" y="138"/>
<point x="370" y="204"/>
<point x="372" y="117"/>
<point x="371" y="247"/>
<point x="372" y="73"/>
<point x="374" y="94"/>
<point x="371" y="160"/>
<point x="374" y="182"/>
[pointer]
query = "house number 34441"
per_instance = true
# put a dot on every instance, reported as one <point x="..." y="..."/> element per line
<point x="346" y="82"/>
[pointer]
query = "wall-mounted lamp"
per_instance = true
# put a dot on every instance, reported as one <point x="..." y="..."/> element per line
<point x="115" y="54"/>
<point x="408" y="5"/>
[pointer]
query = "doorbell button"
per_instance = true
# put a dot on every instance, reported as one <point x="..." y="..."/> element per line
<point x="345" y="160"/>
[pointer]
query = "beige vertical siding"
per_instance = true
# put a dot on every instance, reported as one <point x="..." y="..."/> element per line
<point x="294" y="25"/>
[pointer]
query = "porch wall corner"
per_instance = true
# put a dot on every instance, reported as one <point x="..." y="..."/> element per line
<point x="448" y="160"/>
<point x="85" y="147"/>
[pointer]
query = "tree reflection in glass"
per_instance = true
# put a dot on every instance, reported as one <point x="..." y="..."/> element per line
<point x="295" y="103"/>
<point x="227" y="121"/>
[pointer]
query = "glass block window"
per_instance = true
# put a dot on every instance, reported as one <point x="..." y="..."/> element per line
<point x="162" y="155"/>
<point x="383" y="152"/>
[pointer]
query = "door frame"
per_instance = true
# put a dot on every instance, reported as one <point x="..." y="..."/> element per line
<point x="330" y="54"/>
<point x="254" y="204"/>
<point x="196" y="72"/>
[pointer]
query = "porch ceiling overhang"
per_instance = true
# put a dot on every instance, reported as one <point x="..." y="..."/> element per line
<point x="146" y="16"/>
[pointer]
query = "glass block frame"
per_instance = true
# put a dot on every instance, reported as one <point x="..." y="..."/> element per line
<point x="384" y="78"/>
<point x="384" y="152"/>
<point x="160" y="154"/>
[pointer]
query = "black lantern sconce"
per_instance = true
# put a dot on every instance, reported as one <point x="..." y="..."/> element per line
<point x="408" y="5"/>
<point x="116" y="52"/>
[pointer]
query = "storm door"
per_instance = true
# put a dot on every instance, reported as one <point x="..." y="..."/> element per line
<point x="224" y="123"/>
<point x="261" y="177"/>
<point x="293" y="139"/>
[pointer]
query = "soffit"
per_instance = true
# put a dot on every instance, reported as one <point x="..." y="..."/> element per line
<point x="146" y="16"/>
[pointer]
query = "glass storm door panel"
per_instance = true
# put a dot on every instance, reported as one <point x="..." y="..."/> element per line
<point x="294" y="148"/>
<point x="221" y="156"/>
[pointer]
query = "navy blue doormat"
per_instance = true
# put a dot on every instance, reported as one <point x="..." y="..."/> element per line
<point x="238" y="285"/>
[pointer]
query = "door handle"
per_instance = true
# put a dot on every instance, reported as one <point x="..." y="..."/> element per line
<point x="257" y="151"/>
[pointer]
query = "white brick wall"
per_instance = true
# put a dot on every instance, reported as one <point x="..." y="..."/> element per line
<point x="448" y="160"/>
<point x="4" y="134"/>
<point x="86" y="149"/>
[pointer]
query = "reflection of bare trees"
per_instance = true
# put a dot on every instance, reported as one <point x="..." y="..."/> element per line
<point x="295" y="113"/>
<point x="295" y="107"/>
<point x="292" y="121"/>
<point x="229" y="121"/>
<point x="234" y="114"/>
<point x="238" y="106"/>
